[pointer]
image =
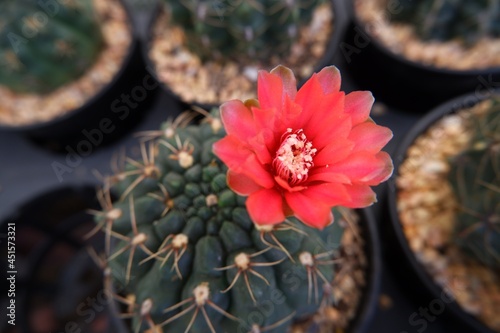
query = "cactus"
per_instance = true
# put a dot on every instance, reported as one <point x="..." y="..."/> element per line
<point x="467" y="20"/>
<point x="475" y="178"/>
<point x="182" y="248"/>
<point x="44" y="44"/>
<point x="238" y="29"/>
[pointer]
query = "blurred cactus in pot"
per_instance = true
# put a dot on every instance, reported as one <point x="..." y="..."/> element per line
<point x="46" y="44"/>
<point x="467" y="20"/>
<point x="239" y="29"/>
<point x="475" y="178"/>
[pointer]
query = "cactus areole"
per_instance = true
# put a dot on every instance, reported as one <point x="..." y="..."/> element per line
<point x="43" y="47"/>
<point x="182" y="245"/>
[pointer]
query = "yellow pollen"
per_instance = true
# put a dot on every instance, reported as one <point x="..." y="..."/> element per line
<point x="294" y="157"/>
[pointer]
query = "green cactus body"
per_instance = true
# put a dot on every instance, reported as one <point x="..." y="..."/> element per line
<point x="240" y="29"/>
<point x="44" y="47"/>
<point x="185" y="247"/>
<point x="466" y="20"/>
<point x="475" y="178"/>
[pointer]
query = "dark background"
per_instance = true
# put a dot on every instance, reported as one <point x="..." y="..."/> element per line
<point x="26" y="172"/>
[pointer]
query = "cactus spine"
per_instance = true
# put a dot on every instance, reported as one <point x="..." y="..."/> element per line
<point x="185" y="251"/>
<point x="467" y="20"/>
<point x="44" y="47"/>
<point x="475" y="178"/>
<point x="240" y="29"/>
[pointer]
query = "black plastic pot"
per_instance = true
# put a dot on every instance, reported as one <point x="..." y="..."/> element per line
<point x="403" y="83"/>
<point x="108" y="103"/>
<point x="57" y="283"/>
<point x="325" y="60"/>
<point x="410" y="269"/>
<point x="368" y="302"/>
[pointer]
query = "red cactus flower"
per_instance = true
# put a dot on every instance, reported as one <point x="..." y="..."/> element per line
<point x="303" y="152"/>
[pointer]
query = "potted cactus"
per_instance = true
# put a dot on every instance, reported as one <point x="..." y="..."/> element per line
<point x="57" y="58"/>
<point x="234" y="224"/>
<point x="207" y="52"/>
<point x="445" y="206"/>
<point x="474" y="177"/>
<point x="447" y="48"/>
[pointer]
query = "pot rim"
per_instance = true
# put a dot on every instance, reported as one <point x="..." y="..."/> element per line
<point x="450" y="107"/>
<point x="331" y="48"/>
<point x="369" y="299"/>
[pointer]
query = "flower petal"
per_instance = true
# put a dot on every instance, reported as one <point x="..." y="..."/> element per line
<point x="324" y="174"/>
<point x="358" y="105"/>
<point x="370" y="137"/>
<point x="288" y="79"/>
<point x="383" y="173"/>
<point x="361" y="196"/>
<point x="241" y="184"/>
<point x="237" y="120"/>
<point x="270" y="91"/>
<point x="333" y="152"/>
<point x="337" y="130"/>
<point x="313" y="100"/>
<point x="331" y="194"/>
<point x="309" y="211"/>
<point x="231" y="151"/>
<point x="242" y="160"/>
<point x="363" y="167"/>
<point x="265" y="207"/>
<point x="329" y="79"/>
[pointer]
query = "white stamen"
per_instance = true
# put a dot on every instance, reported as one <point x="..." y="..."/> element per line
<point x="294" y="158"/>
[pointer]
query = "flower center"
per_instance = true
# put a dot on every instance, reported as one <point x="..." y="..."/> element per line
<point x="294" y="158"/>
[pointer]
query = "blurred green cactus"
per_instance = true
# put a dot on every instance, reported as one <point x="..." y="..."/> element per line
<point x="190" y="256"/>
<point x="475" y="178"/>
<point x="257" y="29"/>
<point x="46" y="44"/>
<point x="467" y="20"/>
